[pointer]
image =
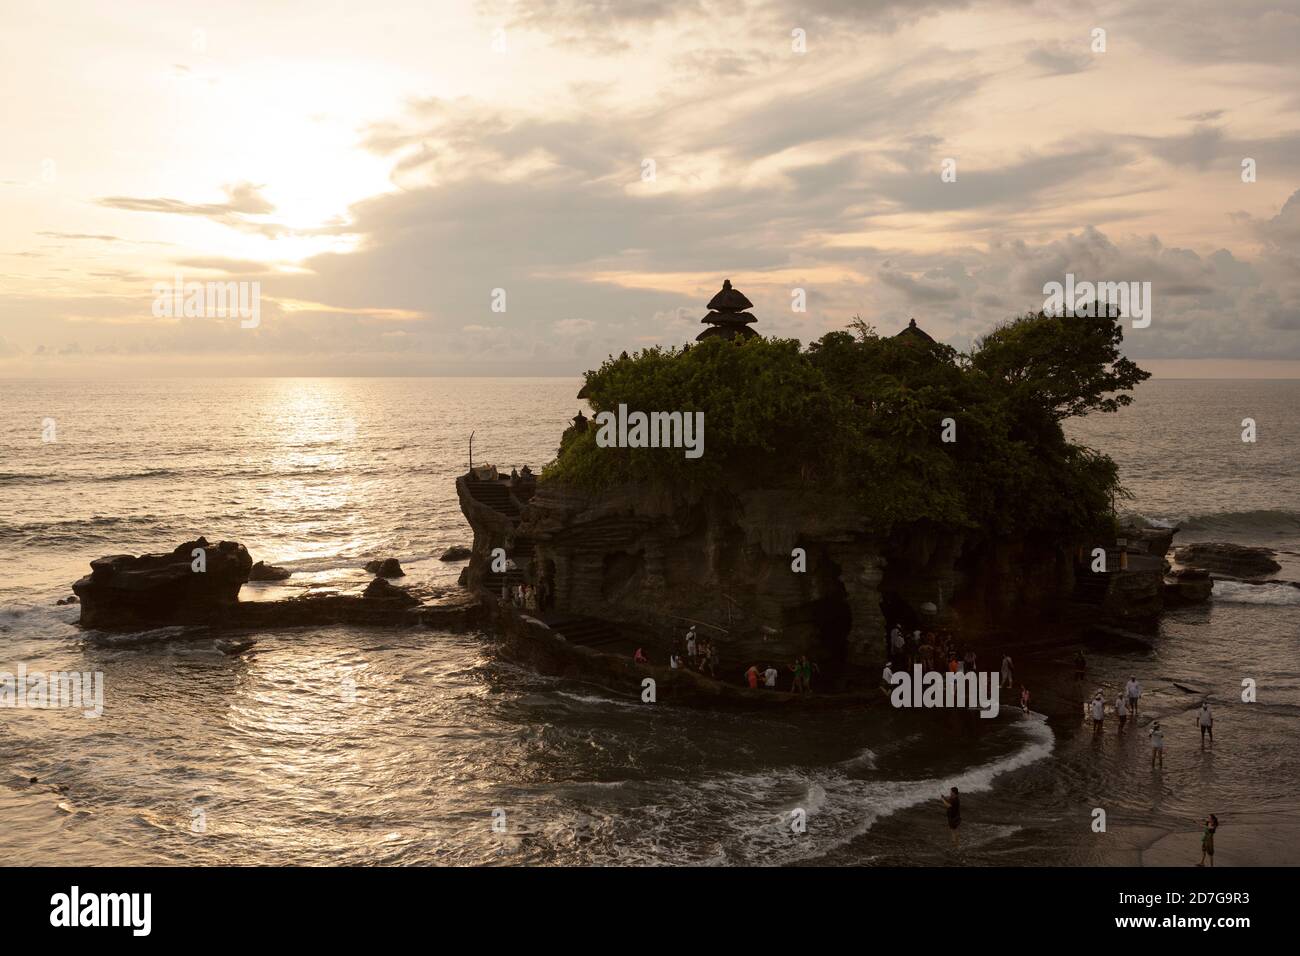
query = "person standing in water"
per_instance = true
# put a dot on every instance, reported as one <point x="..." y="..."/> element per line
<point x="1008" y="671"/>
<point x="1134" y="690"/>
<point x="1098" y="712"/>
<point x="1205" y="720"/>
<point x="953" y="804"/>
<point x="1121" y="709"/>
<point x="1157" y="745"/>
<point x="1024" y="699"/>
<point x="1207" y="840"/>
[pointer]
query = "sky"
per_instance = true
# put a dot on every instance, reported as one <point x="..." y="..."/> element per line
<point x="522" y="188"/>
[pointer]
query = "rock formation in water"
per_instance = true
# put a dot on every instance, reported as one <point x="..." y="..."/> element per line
<point x="387" y="568"/>
<point x="1234" y="560"/>
<point x="123" y="590"/>
<point x="126" y="592"/>
<point x="268" y="572"/>
<point x="654" y="563"/>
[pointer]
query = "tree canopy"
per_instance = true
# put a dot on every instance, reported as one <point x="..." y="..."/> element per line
<point x="867" y="416"/>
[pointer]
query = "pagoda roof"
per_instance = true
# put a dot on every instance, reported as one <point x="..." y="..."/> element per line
<point x="728" y="331"/>
<point x="914" y="331"/>
<point x="729" y="318"/>
<point x="730" y="300"/>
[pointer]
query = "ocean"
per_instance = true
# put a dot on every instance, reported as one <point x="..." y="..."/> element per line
<point x="375" y="746"/>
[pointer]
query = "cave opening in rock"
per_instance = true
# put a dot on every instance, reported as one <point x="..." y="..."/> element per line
<point x="898" y="611"/>
<point x="832" y="619"/>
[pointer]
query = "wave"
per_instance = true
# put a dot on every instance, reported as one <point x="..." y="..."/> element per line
<point x="1239" y="592"/>
<point x="1268" y="521"/>
<point x="844" y="808"/>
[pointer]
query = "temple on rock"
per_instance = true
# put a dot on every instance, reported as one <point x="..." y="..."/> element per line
<point x="727" y="316"/>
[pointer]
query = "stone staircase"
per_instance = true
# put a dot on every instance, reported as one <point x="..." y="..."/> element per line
<point x="495" y="495"/>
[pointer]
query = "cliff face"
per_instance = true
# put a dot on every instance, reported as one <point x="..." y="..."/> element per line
<point x="655" y="564"/>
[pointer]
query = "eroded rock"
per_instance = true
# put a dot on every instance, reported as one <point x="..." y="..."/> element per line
<point x="1235" y="560"/>
<point x="196" y="583"/>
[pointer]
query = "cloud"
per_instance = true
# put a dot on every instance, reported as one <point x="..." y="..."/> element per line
<point x="1058" y="59"/>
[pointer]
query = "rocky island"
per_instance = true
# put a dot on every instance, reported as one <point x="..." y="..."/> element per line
<point x="862" y="482"/>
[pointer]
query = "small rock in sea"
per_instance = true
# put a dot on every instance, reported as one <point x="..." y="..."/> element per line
<point x="457" y="552"/>
<point x="267" y="572"/>
<point x="68" y="600"/>
<point x="387" y="568"/>
<point x="381" y="590"/>
<point x="232" y="647"/>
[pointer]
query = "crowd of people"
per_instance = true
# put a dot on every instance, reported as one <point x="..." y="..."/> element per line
<point x="694" y="652"/>
<point x="937" y="652"/>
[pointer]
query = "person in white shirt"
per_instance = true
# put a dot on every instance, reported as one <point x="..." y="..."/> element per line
<point x="897" y="641"/>
<point x="1134" y="691"/>
<point x="887" y="677"/>
<point x="690" y="642"/>
<point x="1205" y="720"/>
<point x="1098" y="712"/>
<point x="1007" y="671"/>
<point x="674" y="661"/>
<point x="1157" y="745"/>
<point x="769" y="677"/>
<point x="1121" y="709"/>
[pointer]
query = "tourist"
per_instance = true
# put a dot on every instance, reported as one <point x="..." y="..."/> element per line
<point x="1024" y="700"/>
<point x="690" y="642"/>
<point x="514" y="473"/>
<point x="887" y="677"/>
<point x="1121" y="709"/>
<point x="708" y="660"/>
<point x="1157" y="745"/>
<point x="953" y="804"/>
<point x="1007" y="671"/>
<point x="769" y="677"/>
<point x="639" y="657"/>
<point x="1080" y="665"/>
<point x="1207" y="840"/>
<point x="751" y="676"/>
<point x="1098" y="712"/>
<point x="674" y="661"/>
<point x="796" y="685"/>
<point x="1134" y="690"/>
<point x="896" y="639"/>
<point x="1205" y="720"/>
<point x="808" y="667"/>
<point x="530" y="598"/>
<point x="953" y="666"/>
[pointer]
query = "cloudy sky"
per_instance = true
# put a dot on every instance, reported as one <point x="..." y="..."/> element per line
<point x="381" y="168"/>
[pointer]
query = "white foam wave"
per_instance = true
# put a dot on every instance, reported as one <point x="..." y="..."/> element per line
<point x="1237" y="592"/>
<point x="840" y="810"/>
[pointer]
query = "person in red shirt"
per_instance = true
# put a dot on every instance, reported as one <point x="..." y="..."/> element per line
<point x="751" y="675"/>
